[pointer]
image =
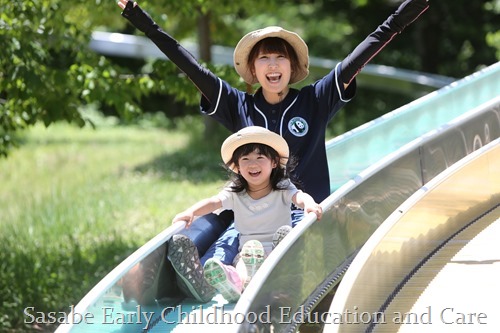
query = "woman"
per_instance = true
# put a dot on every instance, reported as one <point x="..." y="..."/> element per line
<point x="275" y="58"/>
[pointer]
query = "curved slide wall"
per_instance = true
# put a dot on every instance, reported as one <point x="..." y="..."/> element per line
<point x="108" y="293"/>
<point x="416" y="242"/>
<point x="314" y="257"/>
<point x="354" y="151"/>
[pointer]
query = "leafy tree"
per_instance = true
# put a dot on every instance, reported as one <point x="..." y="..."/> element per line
<point x="442" y="41"/>
<point x="47" y="71"/>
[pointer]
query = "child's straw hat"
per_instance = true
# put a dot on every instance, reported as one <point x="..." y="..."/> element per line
<point x="254" y="134"/>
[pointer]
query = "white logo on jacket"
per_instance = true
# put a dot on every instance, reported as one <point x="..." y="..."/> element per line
<point x="298" y="126"/>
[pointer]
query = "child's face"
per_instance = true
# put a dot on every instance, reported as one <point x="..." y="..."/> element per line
<point x="273" y="71"/>
<point x="256" y="169"/>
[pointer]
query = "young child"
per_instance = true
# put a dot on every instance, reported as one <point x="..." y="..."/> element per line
<point x="260" y="194"/>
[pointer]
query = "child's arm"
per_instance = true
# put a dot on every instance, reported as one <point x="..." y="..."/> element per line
<point x="306" y="202"/>
<point x="202" y="207"/>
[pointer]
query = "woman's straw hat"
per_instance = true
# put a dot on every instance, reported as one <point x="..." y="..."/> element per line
<point x="254" y="134"/>
<point x="248" y="41"/>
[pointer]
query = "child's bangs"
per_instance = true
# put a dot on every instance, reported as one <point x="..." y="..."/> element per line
<point x="255" y="147"/>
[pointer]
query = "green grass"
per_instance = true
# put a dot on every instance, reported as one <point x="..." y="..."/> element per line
<point x="75" y="202"/>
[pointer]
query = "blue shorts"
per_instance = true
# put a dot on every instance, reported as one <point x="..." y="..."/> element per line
<point x="225" y="248"/>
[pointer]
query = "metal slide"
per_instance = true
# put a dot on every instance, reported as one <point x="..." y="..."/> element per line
<point x="372" y="173"/>
<point x="316" y="254"/>
<point x="434" y="264"/>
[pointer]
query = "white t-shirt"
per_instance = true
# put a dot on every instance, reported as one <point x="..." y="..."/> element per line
<point x="259" y="219"/>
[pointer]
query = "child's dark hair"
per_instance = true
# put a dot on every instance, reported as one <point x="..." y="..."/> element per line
<point x="278" y="174"/>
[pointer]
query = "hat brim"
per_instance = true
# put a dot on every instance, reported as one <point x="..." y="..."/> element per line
<point x="254" y="134"/>
<point x="246" y="44"/>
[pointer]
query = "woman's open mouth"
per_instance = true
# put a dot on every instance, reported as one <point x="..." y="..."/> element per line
<point x="273" y="77"/>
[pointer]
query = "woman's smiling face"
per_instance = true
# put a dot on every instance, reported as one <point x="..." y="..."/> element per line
<point x="273" y="71"/>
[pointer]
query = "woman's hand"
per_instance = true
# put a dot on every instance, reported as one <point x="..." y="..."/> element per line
<point x="123" y="3"/>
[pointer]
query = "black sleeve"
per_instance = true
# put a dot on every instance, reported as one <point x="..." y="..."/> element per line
<point x="204" y="79"/>
<point x="408" y="12"/>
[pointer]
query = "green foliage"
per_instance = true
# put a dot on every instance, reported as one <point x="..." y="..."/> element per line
<point x="441" y="41"/>
<point x="75" y="202"/>
<point x="47" y="70"/>
<point x="47" y="276"/>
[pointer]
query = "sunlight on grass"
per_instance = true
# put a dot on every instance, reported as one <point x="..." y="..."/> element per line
<point x="75" y="202"/>
<point x="67" y="180"/>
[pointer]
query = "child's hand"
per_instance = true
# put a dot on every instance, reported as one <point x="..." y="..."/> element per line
<point x="185" y="216"/>
<point x="314" y="208"/>
<point x="306" y="202"/>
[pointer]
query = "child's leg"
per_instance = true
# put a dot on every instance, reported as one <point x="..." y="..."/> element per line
<point x="280" y="234"/>
<point x="297" y="216"/>
<point x="185" y="260"/>
<point x="184" y="249"/>
<point x="224" y="278"/>
<point x="207" y="229"/>
<point x="225" y="247"/>
<point x="252" y="256"/>
<point x="242" y="270"/>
